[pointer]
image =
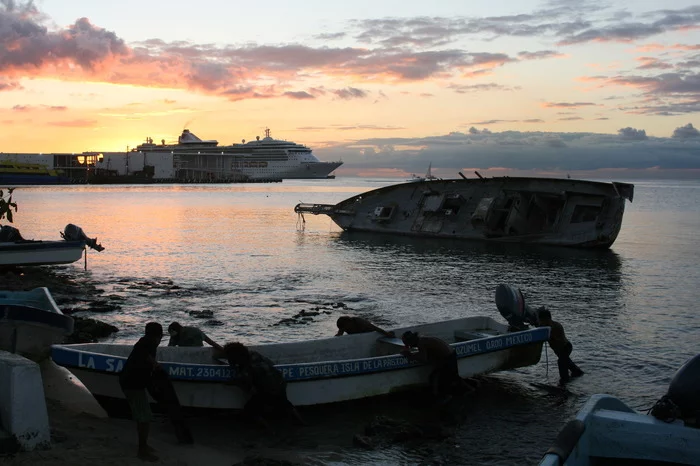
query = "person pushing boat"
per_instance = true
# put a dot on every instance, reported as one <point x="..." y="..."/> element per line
<point x="256" y="374"/>
<point x="352" y="325"/>
<point x="436" y="352"/>
<point x="189" y="336"/>
<point x="561" y="346"/>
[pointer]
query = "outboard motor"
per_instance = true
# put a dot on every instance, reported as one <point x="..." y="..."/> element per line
<point x="75" y="233"/>
<point x="511" y="304"/>
<point x="683" y="397"/>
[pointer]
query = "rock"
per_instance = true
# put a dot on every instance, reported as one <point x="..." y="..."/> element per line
<point x="88" y="330"/>
<point x="363" y="441"/>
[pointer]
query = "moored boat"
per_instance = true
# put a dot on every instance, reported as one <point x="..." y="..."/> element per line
<point x="319" y="371"/>
<point x="549" y="211"/>
<point x="13" y="173"/>
<point x="30" y="322"/>
<point x="16" y="251"/>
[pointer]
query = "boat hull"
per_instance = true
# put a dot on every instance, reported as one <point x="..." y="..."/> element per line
<point x="560" y="212"/>
<point x="30" y="322"/>
<point x="319" y="170"/>
<point x="25" y="253"/>
<point x="20" y="179"/>
<point x="337" y="374"/>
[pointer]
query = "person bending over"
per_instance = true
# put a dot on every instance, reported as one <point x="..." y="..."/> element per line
<point x="256" y="374"/>
<point x="434" y="351"/>
<point x="352" y="325"/>
<point x="189" y="336"/>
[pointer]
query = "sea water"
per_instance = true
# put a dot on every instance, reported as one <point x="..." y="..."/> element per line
<point x="237" y="261"/>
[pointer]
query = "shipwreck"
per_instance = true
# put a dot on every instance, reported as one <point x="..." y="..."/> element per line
<point x="548" y="211"/>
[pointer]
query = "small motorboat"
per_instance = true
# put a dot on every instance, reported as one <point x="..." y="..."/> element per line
<point x="319" y="371"/>
<point x="16" y="251"/>
<point x="608" y="432"/>
<point x="30" y="322"/>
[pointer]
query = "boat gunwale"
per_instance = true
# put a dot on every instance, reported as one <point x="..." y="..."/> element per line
<point x="71" y="357"/>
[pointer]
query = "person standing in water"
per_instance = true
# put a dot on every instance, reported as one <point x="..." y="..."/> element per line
<point x="561" y="346"/>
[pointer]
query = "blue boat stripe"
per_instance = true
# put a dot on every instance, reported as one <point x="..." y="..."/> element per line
<point x="66" y="356"/>
<point x="21" y="313"/>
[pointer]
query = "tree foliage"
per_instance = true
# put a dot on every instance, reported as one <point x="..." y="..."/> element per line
<point x="6" y="205"/>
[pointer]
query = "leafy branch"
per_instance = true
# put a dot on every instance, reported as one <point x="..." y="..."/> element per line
<point x="6" y="205"/>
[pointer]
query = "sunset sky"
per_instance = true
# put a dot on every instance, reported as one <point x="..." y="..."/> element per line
<point x="512" y="87"/>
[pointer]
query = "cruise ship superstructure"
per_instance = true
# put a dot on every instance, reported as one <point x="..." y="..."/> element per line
<point x="258" y="160"/>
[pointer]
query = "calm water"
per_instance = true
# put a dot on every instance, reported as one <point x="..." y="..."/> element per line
<point x="237" y="253"/>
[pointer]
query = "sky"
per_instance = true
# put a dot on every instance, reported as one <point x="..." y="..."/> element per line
<point x="590" y="88"/>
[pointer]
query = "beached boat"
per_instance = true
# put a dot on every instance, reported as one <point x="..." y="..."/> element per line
<point x="16" y="251"/>
<point x="320" y="371"/>
<point x="30" y="322"/>
<point x="608" y="432"/>
<point x="562" y="212"/>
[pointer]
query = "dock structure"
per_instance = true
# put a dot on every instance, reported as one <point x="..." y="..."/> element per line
<point x="135" y="167"/>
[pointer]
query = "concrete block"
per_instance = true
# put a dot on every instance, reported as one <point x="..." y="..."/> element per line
<point x="22" y="404"/>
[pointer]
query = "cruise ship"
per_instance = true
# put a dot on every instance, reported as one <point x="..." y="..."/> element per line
<point x="258" y="160"/>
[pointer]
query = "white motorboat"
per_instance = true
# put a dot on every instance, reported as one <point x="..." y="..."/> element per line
<point x="17" y="251"/>
<point x="608" y="432"/>
<point x="319" y="371"/>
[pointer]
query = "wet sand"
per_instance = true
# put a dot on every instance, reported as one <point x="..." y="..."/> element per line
<point x="82" y="434"/>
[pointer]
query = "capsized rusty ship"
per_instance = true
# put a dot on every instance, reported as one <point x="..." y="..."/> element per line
<point x="548" y="211"/>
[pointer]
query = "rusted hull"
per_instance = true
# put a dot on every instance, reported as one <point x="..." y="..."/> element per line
<point x="560" y="212"/>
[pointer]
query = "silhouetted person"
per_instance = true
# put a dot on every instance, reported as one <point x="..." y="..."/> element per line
<point x="352" y="325"/>
<point x="135" y="378"/>
<point x="189" y="336"/>
<point x="561" y="346"/>
<point x="256" y="374"/>
<point x="434" y="351"/>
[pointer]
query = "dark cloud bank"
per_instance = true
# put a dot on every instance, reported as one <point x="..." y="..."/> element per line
<point x="629" y="154"/>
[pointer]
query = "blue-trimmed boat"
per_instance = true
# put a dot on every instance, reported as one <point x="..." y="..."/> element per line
<point x="30" y="322"/>
<point x="319" y="371"/>
<point x="608" y="432"/>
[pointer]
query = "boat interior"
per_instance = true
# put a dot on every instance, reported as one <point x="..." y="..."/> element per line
<point x="357" y="346"/>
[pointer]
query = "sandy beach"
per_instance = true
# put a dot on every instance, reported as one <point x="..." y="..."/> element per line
<point x="82" y="434"/>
